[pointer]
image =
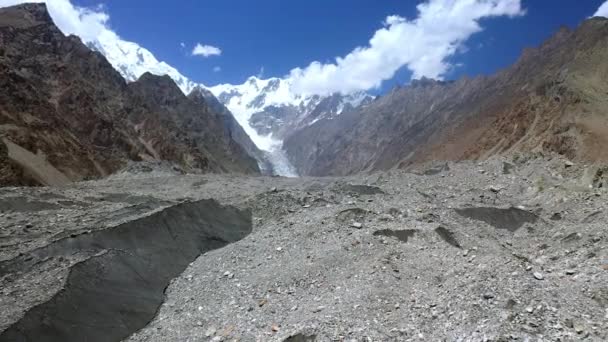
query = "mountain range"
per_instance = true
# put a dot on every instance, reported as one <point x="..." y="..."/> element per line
<point x="549" y="100"/>
<point x="74" y="110"/>
<point x="66" y="114"/>
<point x="554" y="99"/>
<point x="267" y="109"/>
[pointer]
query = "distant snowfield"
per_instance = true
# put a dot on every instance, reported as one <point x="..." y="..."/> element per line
<point x="256" y="94"/>
<point x="253" y="96"/>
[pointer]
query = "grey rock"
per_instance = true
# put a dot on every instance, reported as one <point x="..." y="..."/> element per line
<point x="538" y="276"/>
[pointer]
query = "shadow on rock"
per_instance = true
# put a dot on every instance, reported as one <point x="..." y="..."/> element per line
<point x="510" y="219"/>
<point x="402" y="235"/>
<point x="447" y="236"/>
<point x="118" y="289"/>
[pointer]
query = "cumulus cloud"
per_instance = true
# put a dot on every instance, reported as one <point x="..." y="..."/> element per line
<point x="423" y="45"/>
<point x="602" y="11"/>
<point x="217" y="69"/>
<point x="206" y="50"/>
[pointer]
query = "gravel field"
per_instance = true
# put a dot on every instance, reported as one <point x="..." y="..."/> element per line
<point x="495" y="251"/>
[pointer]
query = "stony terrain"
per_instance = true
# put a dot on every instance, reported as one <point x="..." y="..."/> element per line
<point x="129" y="242"/>
<point x="501" y="250"/>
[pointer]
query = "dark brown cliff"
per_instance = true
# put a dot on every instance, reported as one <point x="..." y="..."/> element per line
<point x="66" y="114"/>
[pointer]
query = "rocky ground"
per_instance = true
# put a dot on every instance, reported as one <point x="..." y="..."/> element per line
<point x="501" y="250"/>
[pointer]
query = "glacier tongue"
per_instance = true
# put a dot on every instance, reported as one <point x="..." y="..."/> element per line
<point x="281" y="164"/>
<point x="254" y="96"/>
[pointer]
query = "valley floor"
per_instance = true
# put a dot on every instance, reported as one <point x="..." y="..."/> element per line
<point x="490" y="251"/>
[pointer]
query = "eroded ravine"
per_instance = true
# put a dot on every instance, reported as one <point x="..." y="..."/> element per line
<point x="120" y="285"/>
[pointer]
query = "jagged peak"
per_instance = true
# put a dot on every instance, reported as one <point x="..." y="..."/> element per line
<point x="594" y="23"/>
<point x="148" y="76"/>
<point x="159" y="84"/>
<point x="597" y="19"/>
<point x="35" y="8"/>
<point x="252" y="80"/>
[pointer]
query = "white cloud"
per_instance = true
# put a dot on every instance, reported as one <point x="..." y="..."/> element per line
<point x="261" y="73"/>
<point x="423" y="45"/>
<point x="217" y="69"/>
<point x="602" y="11"/>
<point x="182" y="44"/>
<point x="206" y="50"/>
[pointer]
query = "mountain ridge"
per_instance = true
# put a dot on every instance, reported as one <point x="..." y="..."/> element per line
<point x="552" y="100"/>
<point x="66" y="114"/>
<point x="272" y="110"/>
<point x="254" y="96"/>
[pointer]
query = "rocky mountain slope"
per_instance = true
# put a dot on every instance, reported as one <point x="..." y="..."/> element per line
<point x="204" y="97"/>
<point x="208" y="128"/>
<point x="554" y="99"/>
<point x="500" y="250"/>
<point x="66" y="114"/>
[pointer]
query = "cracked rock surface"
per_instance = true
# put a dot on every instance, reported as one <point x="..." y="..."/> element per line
<point x="469" y="253"/>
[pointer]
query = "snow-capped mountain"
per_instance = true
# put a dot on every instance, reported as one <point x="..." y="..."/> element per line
<point x="132" y="61"/>
<point x="254" y="96"/>
<point x="274" y="111"/>
<point x="272" y="100"/>
<point x="267" y="109"/>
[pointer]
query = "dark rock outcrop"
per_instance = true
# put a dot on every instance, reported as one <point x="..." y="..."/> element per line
<point x="206" y="128"/>
<point x="231" y="128"/>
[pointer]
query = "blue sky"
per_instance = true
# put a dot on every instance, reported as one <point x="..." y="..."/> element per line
<point x="279" y="35"/>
